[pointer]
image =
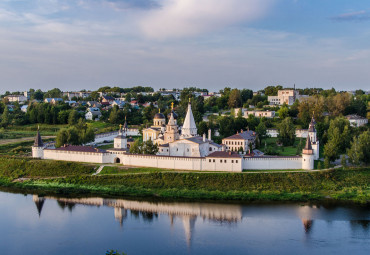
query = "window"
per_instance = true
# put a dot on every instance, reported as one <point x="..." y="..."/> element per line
<point x="220" y="160"/>
<point x="236" y="161"/>
<point x="210" y="161"/>
<point x="232" y="161"/>
<point x="214" y="161"/>
<point x="210" y="148"/>
<point x="225" y="160"/>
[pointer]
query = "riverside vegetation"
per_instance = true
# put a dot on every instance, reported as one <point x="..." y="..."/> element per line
<point x="57" y="177"/>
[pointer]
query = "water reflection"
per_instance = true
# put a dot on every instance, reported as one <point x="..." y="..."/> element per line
<point x="186" y="212"/>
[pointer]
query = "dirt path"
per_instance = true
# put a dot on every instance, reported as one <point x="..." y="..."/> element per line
<point x="23" y="139"/>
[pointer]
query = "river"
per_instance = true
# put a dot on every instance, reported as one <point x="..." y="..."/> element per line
<point x="48" y="225"/>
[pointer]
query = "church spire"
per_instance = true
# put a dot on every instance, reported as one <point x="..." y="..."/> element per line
<point x="189" y="128"/>
<point x="38" y="140"/>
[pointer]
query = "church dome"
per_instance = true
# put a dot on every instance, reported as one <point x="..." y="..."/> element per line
<point x="175" y="116"/>
<point x="159" y="116"/>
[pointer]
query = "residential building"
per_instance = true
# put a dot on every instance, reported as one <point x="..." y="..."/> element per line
<point x="356" y="120"/>
<point x="93" y="114"/>
<point x="240" y="141"/>
<point x="17" y="98"/>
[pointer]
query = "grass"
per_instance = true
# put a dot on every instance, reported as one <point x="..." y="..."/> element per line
<point x="59" y="177"/>
<point x="281" y="150"/>
<point x="111" y="170"/>
<point x="18" y="148"/>
<point x="106" y="146"/>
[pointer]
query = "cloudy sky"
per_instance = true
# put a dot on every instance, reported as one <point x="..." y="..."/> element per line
<point x="76" y="44"/>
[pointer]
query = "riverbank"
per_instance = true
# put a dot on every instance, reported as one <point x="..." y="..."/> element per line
<point x="67" y="178"/>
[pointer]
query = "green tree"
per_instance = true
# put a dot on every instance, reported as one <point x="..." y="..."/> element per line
<point x="359" y="151"/>
<point x="62" y="138"/>
<point x="326" y="163"/>
<point x="202" y="128"/>
<point x="73" y="117"/>
<point x="5" y="117"/>
<point x="319" y="166"/>
<point x="235" y="99"/>
<point x="261" y="131"/>
<point x="136" y="147"/>
<point x="283" y="112"/>
<point x="331" y="148"/>
<point x="343" y="161"/>
<point x="286" y="131"/>
<point x="149" y="148"/>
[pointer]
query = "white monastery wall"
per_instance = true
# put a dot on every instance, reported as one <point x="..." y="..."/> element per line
<point x="266" y="163"/>
<point x="78" y="156"/>
<point x="184" y="163"/>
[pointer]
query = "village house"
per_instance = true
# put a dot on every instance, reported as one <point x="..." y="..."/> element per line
<point x="240" y="141"/>
<point x="93" y="114"/>
<point x="17" y="98"/>
<point x="356" y="120"/>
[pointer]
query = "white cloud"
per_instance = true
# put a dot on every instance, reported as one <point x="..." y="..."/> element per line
<point x="183" y="18"/>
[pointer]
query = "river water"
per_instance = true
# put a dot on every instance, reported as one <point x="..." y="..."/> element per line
<point x="30" y="224"/>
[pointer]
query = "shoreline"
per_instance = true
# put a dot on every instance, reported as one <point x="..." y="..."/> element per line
<point x="68" y="179"/>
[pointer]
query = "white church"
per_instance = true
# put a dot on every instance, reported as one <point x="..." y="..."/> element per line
<point x="184" y="150"/>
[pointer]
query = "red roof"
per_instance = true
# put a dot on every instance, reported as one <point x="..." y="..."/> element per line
<point x="224" y="154"/>
<point x="80" y="149"/>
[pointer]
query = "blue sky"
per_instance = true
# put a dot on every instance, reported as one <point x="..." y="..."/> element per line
<point x="76" y="44"/>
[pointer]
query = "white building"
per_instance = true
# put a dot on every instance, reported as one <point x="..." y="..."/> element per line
<point x="260" y="114"/>
<point x="240" y="141"/>
<point x="356" y="120"/>
<point x="93" y="114"/>
<point x="17" y="98"/>
<point x="287" y="96"/>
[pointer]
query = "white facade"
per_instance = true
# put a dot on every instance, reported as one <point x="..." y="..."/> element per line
<point x="260" y="114"/>
<point x="357" y="121"/>
<point x="17" y="98"/>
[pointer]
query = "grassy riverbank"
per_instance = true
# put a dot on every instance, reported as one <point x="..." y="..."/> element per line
<point x="41" y="176"/>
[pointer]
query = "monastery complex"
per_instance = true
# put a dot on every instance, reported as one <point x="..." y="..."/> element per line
<point x="181" y="148"/>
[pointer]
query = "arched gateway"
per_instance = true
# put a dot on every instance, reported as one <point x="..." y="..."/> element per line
<point x="117" y="160"/>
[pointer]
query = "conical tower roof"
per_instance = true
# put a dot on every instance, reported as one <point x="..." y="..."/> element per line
<point x="189" y="128"/>
<point x="38" y="140"/>
<point x="308" y="148"/>
<point x="171" y="121"/>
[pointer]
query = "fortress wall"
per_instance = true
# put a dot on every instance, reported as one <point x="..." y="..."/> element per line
<point x="266" y="163"/>
<point x="78" y="156"/>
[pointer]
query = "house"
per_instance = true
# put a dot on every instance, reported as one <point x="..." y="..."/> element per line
<point x="16" y="98"/>
<point x="120" y="104"/>
<point x="260" y="114"/>
<point x="107" y="99"/>
<point x="24" y="108"/>
<point x="93" y="104"/>
<point x="71" y="103"/>
<point x="93" y="114"/>
<point x="240" y="140"/>
<point x="53" y="100"/>
<point x="356" y="120"/>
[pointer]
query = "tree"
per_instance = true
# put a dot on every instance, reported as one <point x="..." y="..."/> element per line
<point x="202" y="128"/>
<point x="326" y="163"/>
<point x="283" y="112"/>
<point x="331" y="148"/>
<point x="343" y="161"/>
<point x="261" y="131"/>
<point x="319" y="165"/>
<point x="359" y="151"/>
<point x="62" y="138"/>
<point x="5" y="117"/>
<point x="149" y="148"/>
<point x="73" y="117"/>
<point x="286" y="131"/>
<point x="136" y="147"/>
<point x="235" y="99"/>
